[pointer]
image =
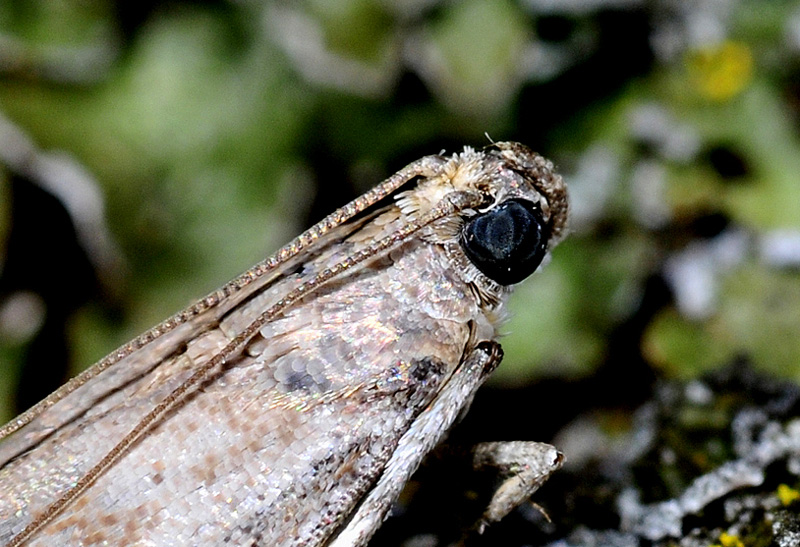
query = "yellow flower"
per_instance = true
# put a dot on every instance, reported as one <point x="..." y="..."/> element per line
<point x="787" y="494"/>
<point x="729" y="540"/>
<point x="721" y="71"/>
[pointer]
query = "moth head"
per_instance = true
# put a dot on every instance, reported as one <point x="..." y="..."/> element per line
<point x="525" y="215"/>
<point x="520" y="214"/>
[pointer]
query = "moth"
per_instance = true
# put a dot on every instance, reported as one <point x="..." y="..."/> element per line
<point x="290" y="406"/>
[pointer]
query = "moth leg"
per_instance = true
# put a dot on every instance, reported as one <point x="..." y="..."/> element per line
<point x="526" y="465"/>
<point x="427" y="430"/>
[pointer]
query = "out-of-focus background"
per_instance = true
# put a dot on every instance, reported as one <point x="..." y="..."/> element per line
<point x="150" y="151"/>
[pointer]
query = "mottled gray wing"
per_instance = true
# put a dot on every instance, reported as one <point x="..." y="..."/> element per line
<point x="145" y="355"/>
<point x="151" y="349"/>
<point x="280" y="443"/>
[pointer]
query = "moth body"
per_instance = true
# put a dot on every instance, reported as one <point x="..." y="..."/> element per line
<point x="309" y="416"/>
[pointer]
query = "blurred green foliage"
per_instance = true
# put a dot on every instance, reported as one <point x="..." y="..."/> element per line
<point x="217" y="130"/>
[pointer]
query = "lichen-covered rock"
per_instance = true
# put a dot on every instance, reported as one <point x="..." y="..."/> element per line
<point x="710" y="462"/>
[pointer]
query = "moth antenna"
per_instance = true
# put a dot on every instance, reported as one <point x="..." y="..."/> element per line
<point x="452" y="203"/>
<point x="424" y="166"/>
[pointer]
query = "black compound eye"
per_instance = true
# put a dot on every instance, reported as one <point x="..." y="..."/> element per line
<point x="507" y="243"/>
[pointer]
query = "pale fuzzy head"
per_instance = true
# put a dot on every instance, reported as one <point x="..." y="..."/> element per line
<point x="503" y="171"/>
